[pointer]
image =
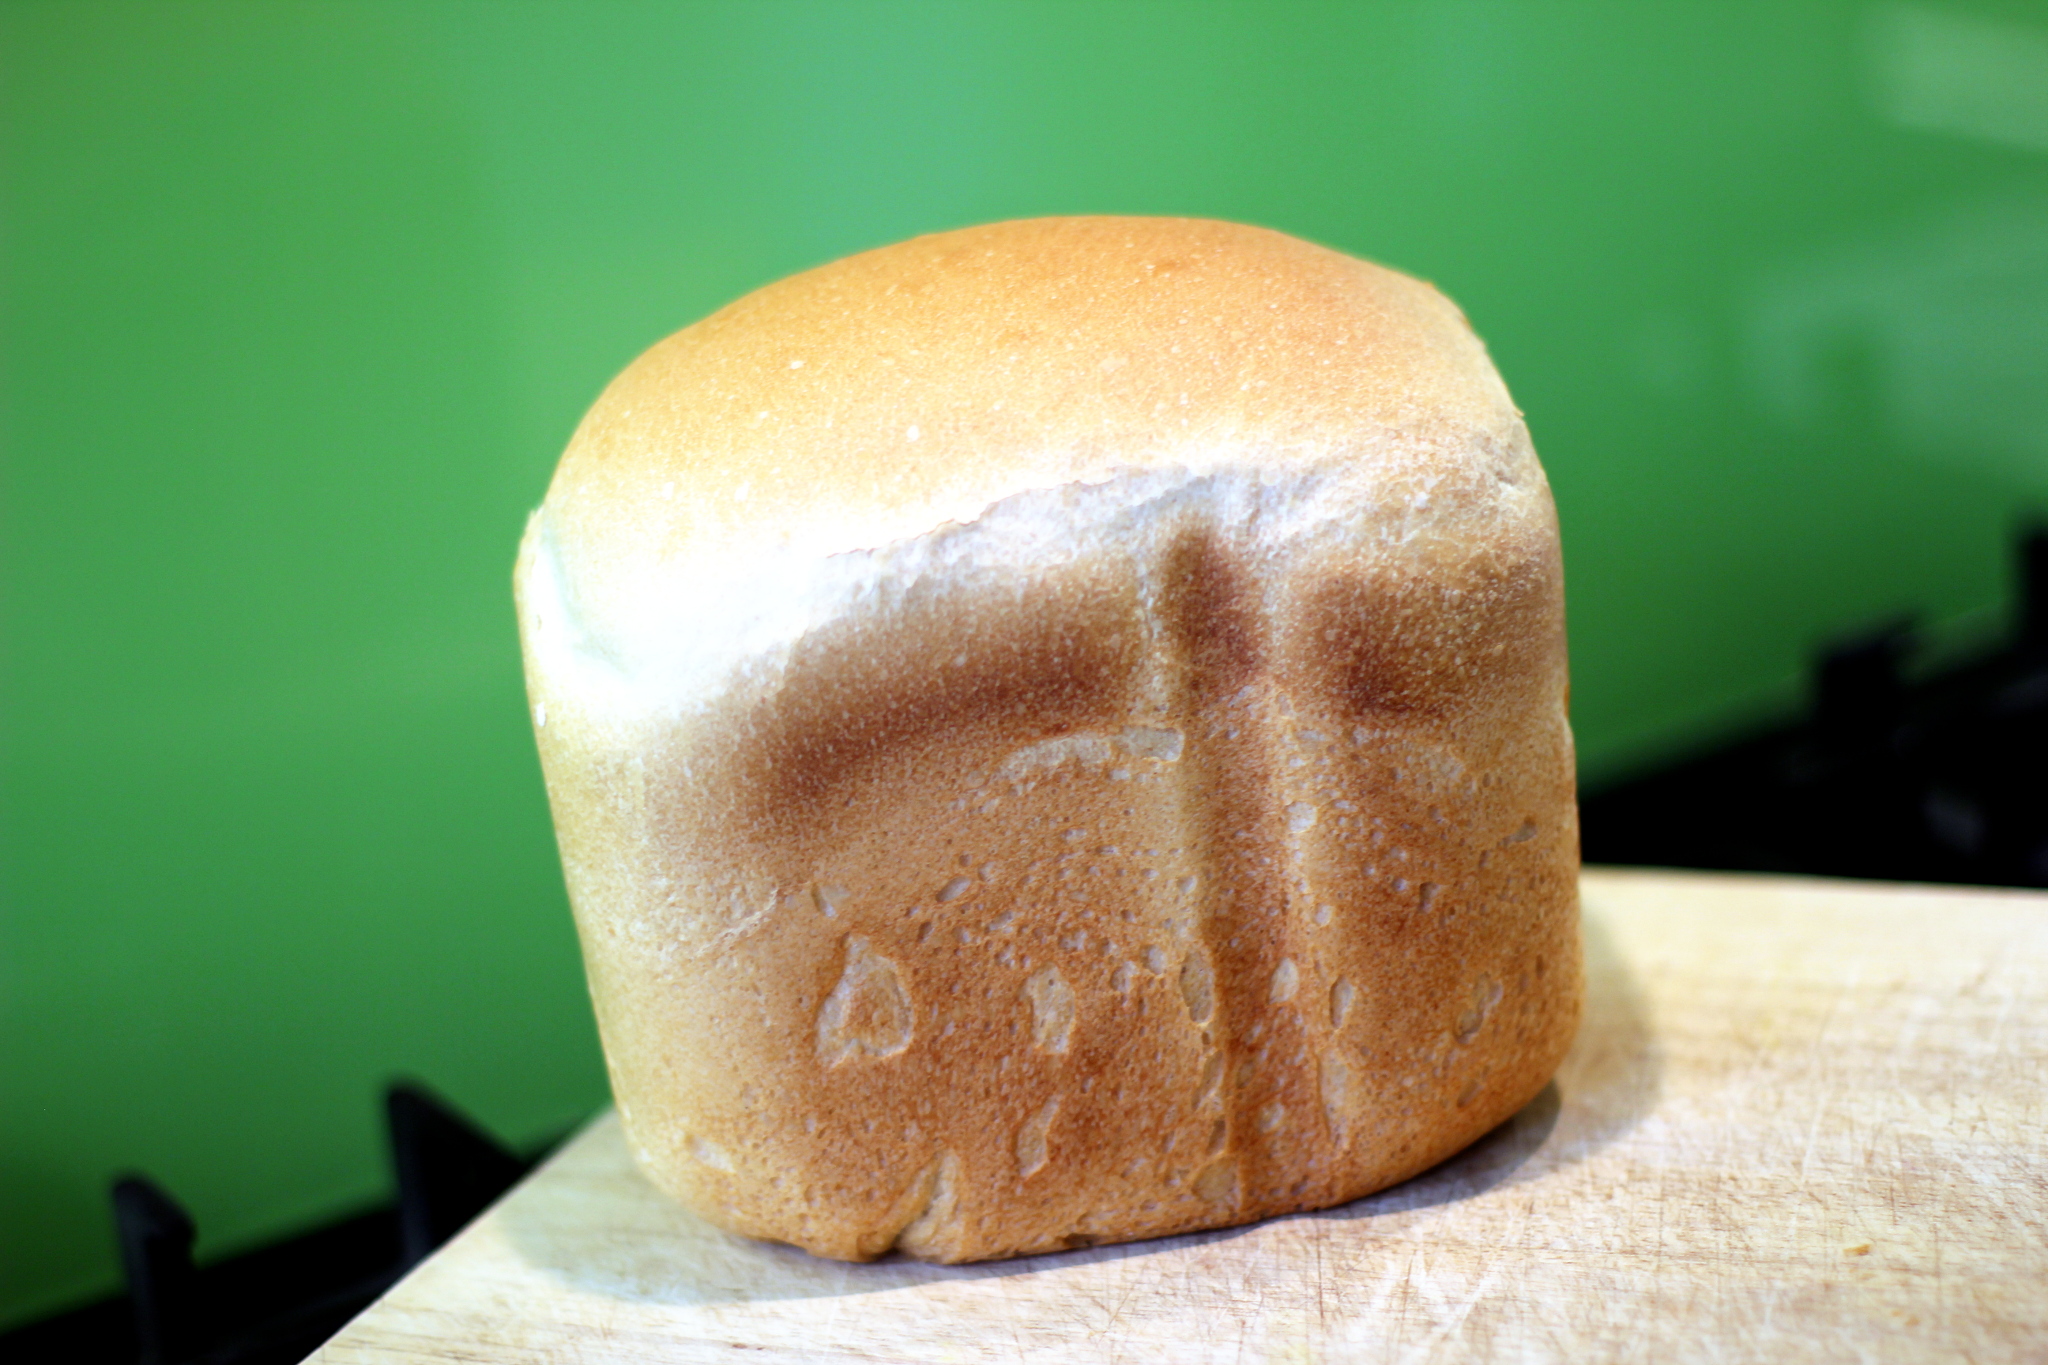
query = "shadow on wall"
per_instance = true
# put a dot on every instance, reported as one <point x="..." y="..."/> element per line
<point x="1944" y="325"/>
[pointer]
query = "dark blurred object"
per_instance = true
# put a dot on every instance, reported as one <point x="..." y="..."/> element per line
<point x="449" y="1170"/>
<point x="1940" y="780"/>
<point x="156" y="1258"/>
<point x="277" y="1304"/>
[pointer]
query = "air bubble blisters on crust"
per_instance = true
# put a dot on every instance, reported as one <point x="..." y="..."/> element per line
<point x="1052" y="1009"/>
<point x="868" y="1014"/>
<point x="1032" y="1151"/>
<point x="1198" y="986"/>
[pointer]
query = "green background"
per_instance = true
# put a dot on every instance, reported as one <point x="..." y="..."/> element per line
<point x="301" y="301"/>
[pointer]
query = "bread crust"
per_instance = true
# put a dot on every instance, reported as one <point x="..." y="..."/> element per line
<point x="1056" y="733"/>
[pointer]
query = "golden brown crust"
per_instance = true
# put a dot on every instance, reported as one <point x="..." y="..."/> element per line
<point x="1079" y="757"/>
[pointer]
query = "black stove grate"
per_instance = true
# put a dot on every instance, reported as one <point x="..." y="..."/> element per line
<point x="277" y="1304"/>
<point x="1939" y="779"/>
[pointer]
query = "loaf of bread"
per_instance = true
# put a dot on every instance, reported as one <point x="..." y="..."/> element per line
<point x="1057" y="735"/>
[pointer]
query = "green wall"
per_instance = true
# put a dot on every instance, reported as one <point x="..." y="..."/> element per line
<point x="298" y="302"/>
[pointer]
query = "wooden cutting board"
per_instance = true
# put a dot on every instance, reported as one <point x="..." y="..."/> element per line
<point x="1804" y="1121"/>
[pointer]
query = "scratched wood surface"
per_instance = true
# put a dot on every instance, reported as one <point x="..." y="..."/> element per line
<point x="1804" y="1121"/>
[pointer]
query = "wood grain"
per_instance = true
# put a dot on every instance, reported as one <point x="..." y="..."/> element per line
<point x="1803" y="1122"/>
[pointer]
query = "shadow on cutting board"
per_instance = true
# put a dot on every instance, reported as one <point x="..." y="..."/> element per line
<point x="598" y="1226"/>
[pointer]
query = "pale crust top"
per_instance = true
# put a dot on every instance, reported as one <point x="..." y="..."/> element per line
<point x="883" y="395"/>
